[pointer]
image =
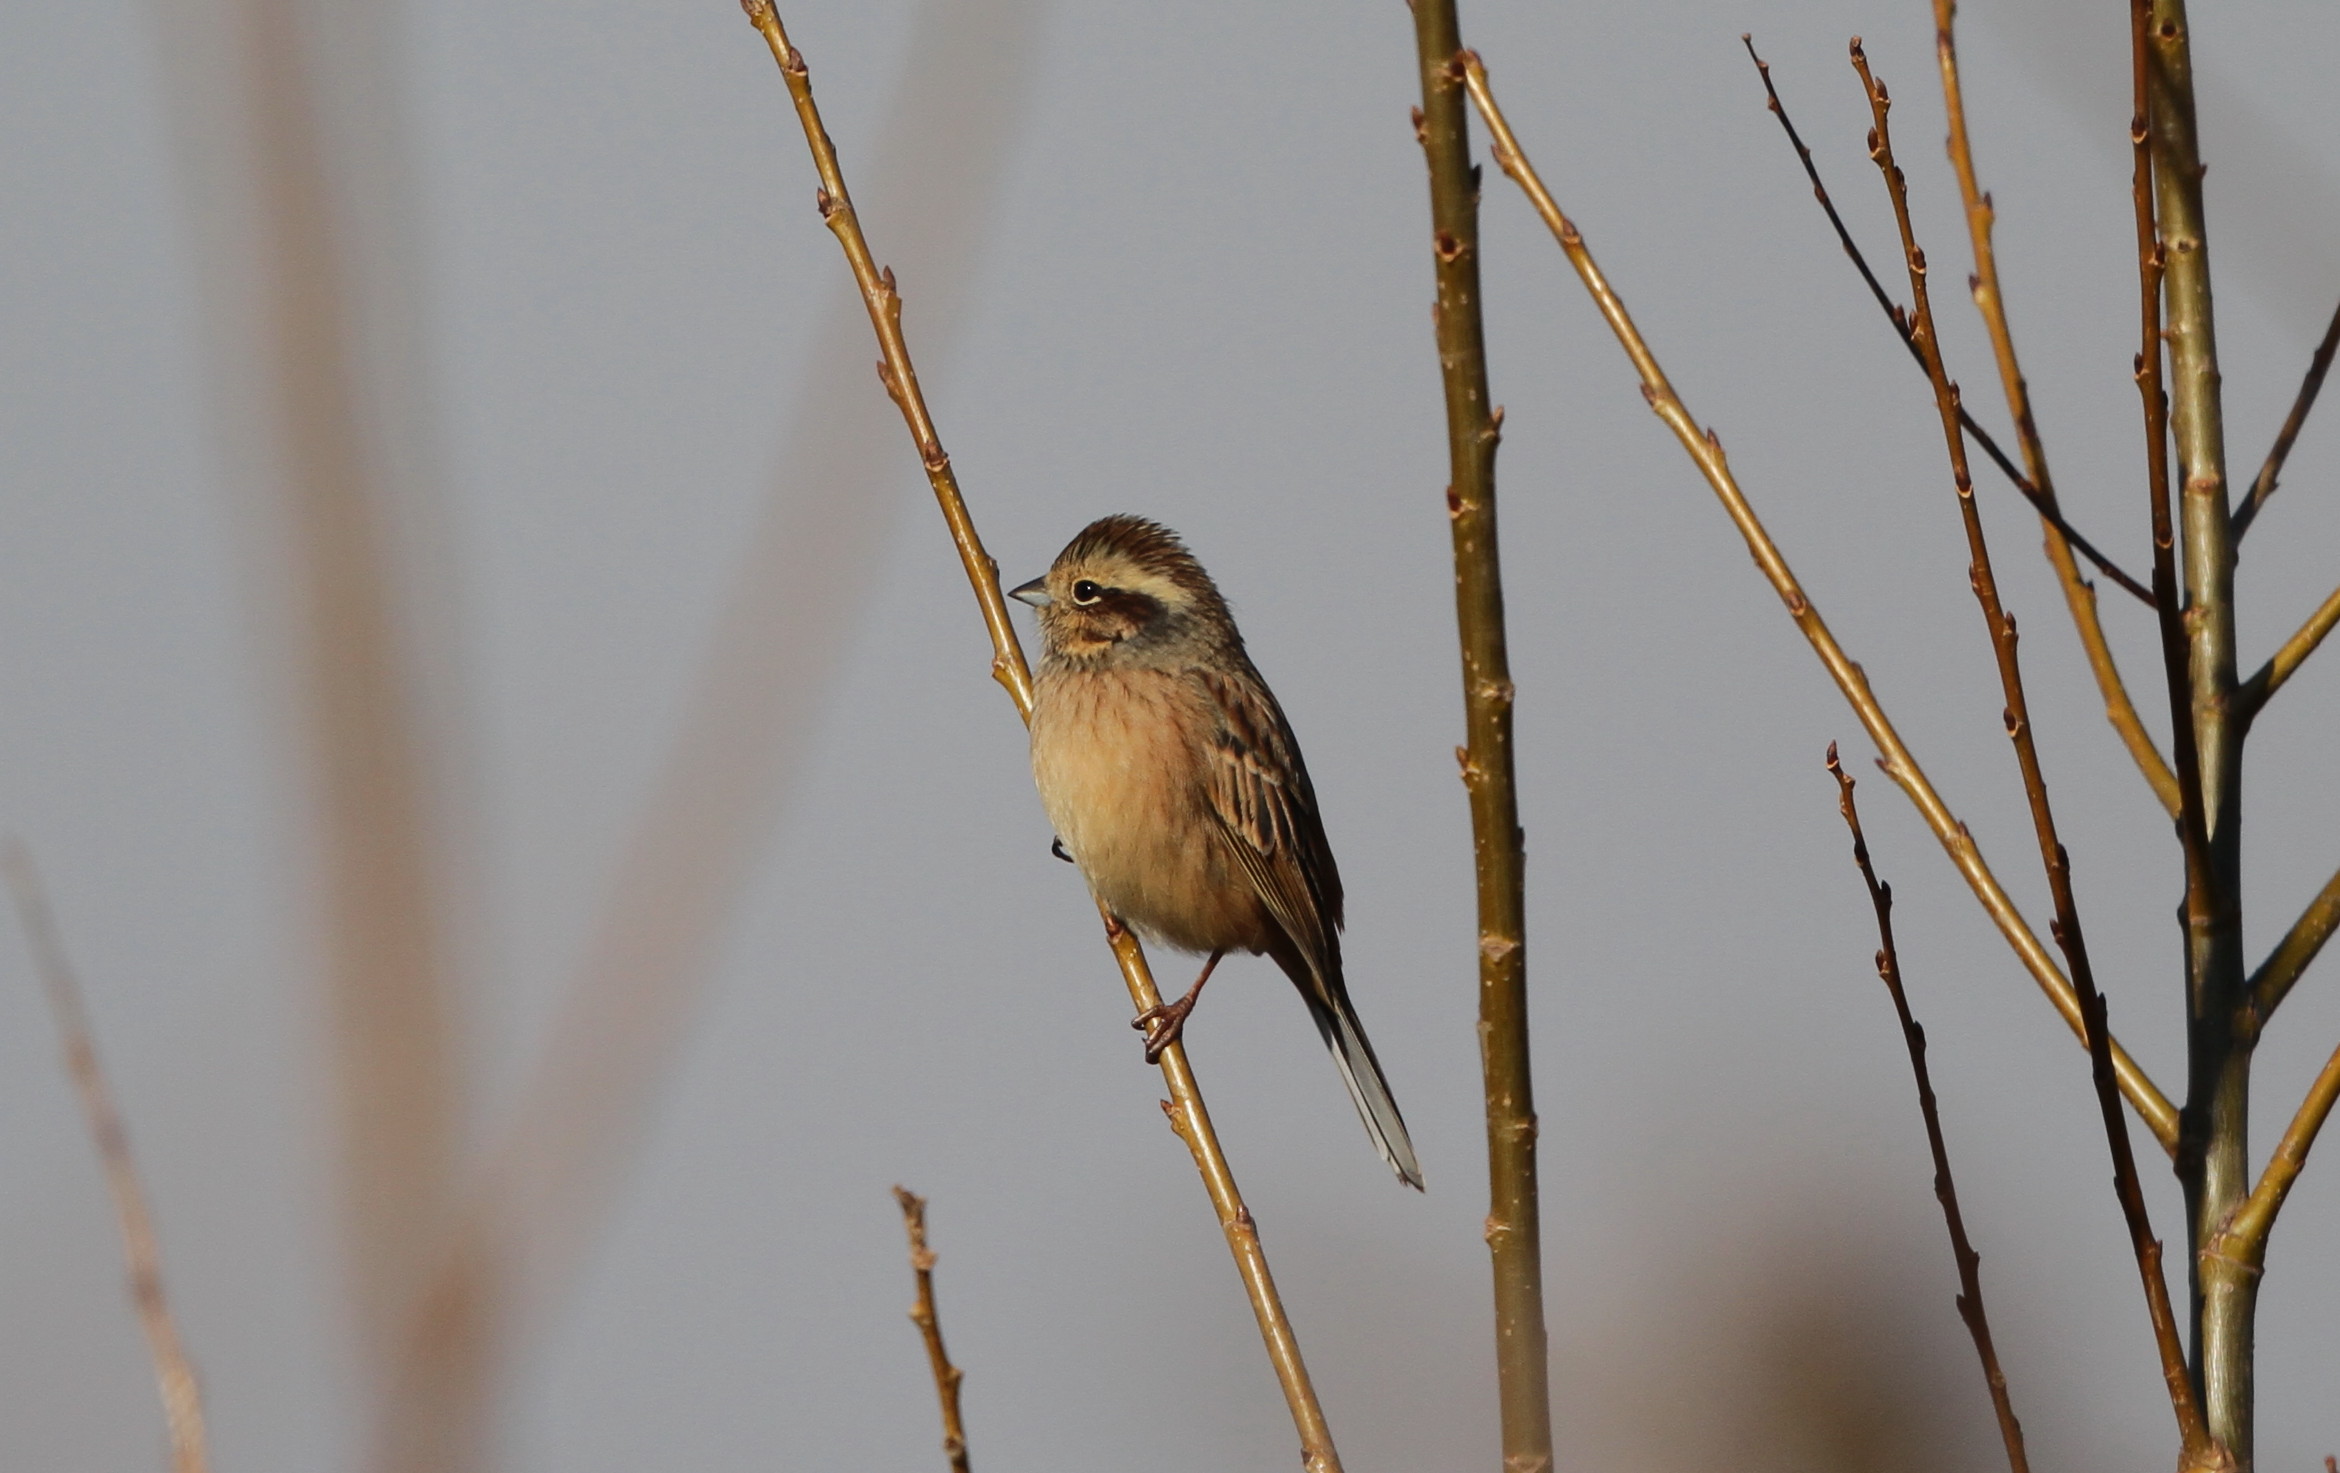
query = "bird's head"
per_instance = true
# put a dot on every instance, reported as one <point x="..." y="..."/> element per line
<point x="1127" y="591"/>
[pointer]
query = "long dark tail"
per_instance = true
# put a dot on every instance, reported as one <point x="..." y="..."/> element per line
<point x="1361" y="1072"/>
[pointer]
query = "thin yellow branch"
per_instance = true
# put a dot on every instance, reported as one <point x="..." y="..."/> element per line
<point x="2244" y="1237"/>
<point x="174" y="1374"/>
<point x="2291" y="955"/>
<point x="1188" y="1116"/>
<point x="922" y="1314"/>
<point x="1706" y="452"/>
<point x="2252" y="697"/>
<point x="2079" y="596"/>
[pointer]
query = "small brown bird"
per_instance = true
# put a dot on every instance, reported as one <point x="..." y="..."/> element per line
<point x="1168" y="769"/>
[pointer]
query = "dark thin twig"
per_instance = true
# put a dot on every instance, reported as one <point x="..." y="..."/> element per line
<point x="946" y="1376"/>
<point x="2264" y="486"/>
<point x="2066" y="930"/>
<point x="1970" y="1301"/>
<point x="2046" y="507"/>
<point x="174" y="1374"/>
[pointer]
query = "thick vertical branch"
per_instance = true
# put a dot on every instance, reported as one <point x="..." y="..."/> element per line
<point x="2066" y="930"/>
<point x="174" y="1374"/>
<point x="922" y="1314"/>
<point x="1970" y="1300"/>
<point x="1188" y="1116"/>
<point x="1473" y="428"/>
<point x="1900" y="764"/>
<point x="2214" y="1156"/>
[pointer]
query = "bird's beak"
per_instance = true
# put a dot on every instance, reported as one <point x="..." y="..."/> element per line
<point x="1034" y="593"/>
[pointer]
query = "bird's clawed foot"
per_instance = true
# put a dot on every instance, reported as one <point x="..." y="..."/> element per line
<point x="1164" y="1022"/>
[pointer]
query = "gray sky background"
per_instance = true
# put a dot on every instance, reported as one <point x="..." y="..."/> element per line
<point x="1199" y="290"/>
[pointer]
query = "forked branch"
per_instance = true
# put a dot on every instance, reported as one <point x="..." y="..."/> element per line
<point x="1990" y="302"/>
<point x="922" y="1314"/>
<point x="1706" y="452"/>
<point x="2251" y="697"/>
<point x="1188" y="1117"/>
<point x="2264" y="486"/>
<point x="1899" y="321"/>
<point x="174" y="1374"/>
<point x="2243" y="1238"/>
<point x="2067" y="930"/>
<point x="1970" y="1300"/>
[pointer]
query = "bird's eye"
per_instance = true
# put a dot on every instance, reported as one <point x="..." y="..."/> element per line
<point x="1086" y="592"/>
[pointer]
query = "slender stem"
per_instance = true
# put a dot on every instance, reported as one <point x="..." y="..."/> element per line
<point x="2044" y="504"/>
<point x="1706" y="452"/>
<point x="2243" y="1237"/>
<point x="1990" y="302"/>
<point x="2001" y="627"/>
<point x="2275" y="976"/>
<point x="2264" y="486"/>
<point x="2252" y="696"/>
<point x="922" y="1314"/>
<point x="2214" y="1161"/>
<point x="1473" y="430"/>
<point x="1970" y="1300"/>
<point x="1188" y="1116"/>
<point x="174" y="1374"/>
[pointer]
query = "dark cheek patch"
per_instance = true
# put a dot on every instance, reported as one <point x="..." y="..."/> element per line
<point x="1121" y="613"/>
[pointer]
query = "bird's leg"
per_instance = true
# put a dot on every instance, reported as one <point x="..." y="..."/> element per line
<point x="1163" y="1022"/>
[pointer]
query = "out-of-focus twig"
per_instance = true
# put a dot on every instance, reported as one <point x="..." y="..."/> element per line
<point x="2001" y="625"/>
<point x="540" y="1190"/>
<point x="1188" y="1116"/>
<point x="174" y="1374"/>
<point x="2277" y="974"/>
<point x="1970" y="1300"/>
<point x="1474" y="427"/>
<point x="2251" y="697"/>
<point x="1706" y="452"/>
<point x="2264" y="486"/>
<point x="922" y="1314"/>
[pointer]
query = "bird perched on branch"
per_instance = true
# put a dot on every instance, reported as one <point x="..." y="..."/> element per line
<point x="1169" y="771"/>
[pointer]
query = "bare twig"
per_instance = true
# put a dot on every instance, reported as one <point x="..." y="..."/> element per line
<point x="174" y="1374"/>
<point x="1970" y="1301"/>
<point x="1990" y="302"/>
<point x="946" y="1376"/>
<point x="2264" y="486"/>
<point x="1706" y="452"/>
<point x="2275" y="976"/>
<point x="1188" y="1116"/>
<point x="2066" y="930"/>
<point x="1473" y="430"/>
<point x="2043" y="504"/>
<point x="2251" y="697"/>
